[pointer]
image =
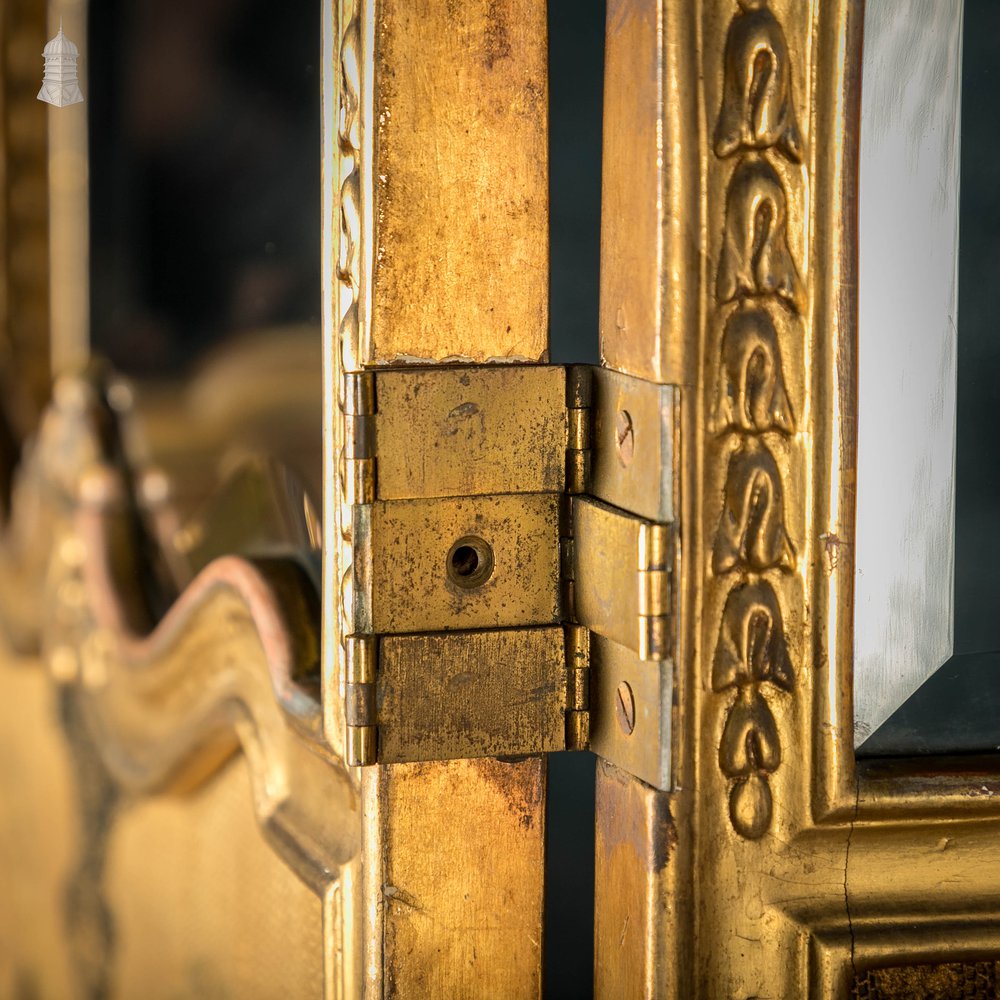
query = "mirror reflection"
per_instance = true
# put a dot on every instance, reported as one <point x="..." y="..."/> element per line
<point x="958" y="708"/>
<point x="204" y="148"/>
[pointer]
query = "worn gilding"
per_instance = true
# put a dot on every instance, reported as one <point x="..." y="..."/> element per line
<point x="792" y="871"/>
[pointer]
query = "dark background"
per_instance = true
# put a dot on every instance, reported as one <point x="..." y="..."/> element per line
<point x="576" y="87"/>
<point x="205" y="186"/>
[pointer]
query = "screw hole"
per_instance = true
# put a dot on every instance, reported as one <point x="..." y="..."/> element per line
<point x="470" y="562"/>
<point x="465" y="560"/>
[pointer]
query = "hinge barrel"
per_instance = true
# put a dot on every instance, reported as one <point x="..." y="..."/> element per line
<point x="578" y="397"/>
<point x="578" y="687"/>
<point x="359" y="699"/>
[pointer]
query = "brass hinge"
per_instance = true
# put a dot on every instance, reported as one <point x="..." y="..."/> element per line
<point x="578" y="687"/>
<point x="507" y="525"/>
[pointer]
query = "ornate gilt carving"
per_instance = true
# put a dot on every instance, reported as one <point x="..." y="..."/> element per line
<point x="758" y="110"/>
<point x="748" y="752"/>
<point x="757" y="116"/>
<point x="751" y="651"/>
<point x="751" y="533"/>
<point x="349" y="139"/>
<point x="349" y="351"/>
<point x="750" y="737"/>
<point x="752" y="646"/>
<point x="755" y="259"/>
<point x="865" y="878"/>
<point x="752" y="396"/>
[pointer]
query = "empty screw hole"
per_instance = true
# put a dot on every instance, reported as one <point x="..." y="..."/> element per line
<point x="465" y="560"/>
<point x="470" y="562"/>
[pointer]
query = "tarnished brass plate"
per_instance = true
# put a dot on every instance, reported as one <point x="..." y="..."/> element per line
<point x="413" y="579"/>
<point x="470" y="431"/>
<point x="621" y="577"/>
<point x="630" y="703"/>
<point x="471" y="694"/>
<point x="632" y="446"/>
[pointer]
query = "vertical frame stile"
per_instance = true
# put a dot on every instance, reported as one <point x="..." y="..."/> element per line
<point x="834" y="375"/>
<point x="435" y="178"/>
<point x="69" y="216"/>
<point x="778" y="865"/>
<point x="754" y="328"/>
<point x="343" y="924"/>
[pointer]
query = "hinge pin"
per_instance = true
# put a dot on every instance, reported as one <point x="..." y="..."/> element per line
<point x="578" y="687"/>
<point x="359" y="700"/>
<point x="578" y="395"/>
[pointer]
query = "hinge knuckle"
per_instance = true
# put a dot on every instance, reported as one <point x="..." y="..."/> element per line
<point x="566" y="562"/>
<point x="579" y="387"/>
<point x="362" y="659"/>
<point x="578" y="730"/>
<point x="579" y="430"/>
<point x="578" y="396"/>
<point x="578" y="687"/>
<point x="654" y="638"/>
<point x="357" y="456"/>
<point x="654" y="544"/>
<point x="360" y="746"/>
<point x="577" y="470"/>
<point x="359" y="699"/>
<point x="654" y="592"/>
<point x="358" y="479"/>
<point x="358" y="393"/>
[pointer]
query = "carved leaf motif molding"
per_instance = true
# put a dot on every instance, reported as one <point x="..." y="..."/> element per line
<point x="760" y="298"/>
<point x="349" y="142"/>
<point x="349" y="276"/>
<point x="757" y="107"/>
<point x="752" y="397"/>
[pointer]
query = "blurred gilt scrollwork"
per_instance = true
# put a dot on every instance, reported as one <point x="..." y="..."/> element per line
<point x="169" y="649"/>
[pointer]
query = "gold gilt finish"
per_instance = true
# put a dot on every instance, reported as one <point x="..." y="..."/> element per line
<point x="447" y="432"/>
<point x="778" y="867"/>
<point x="773" y="865"/>
<point x="472" y="703"/>
<point x="620" y="569"/>
<point x="437" y="238"/>
<point x="408" y="587"/>
<point x="459" y="242"/>
<point x="151" y="705"/>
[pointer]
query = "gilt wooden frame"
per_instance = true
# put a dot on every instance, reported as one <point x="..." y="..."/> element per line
<point x="778" y="866"/>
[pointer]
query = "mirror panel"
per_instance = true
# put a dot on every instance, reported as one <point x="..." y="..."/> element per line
<point x="205" y="197"/>
<point x="957" y="709"/>
<point x="205" y="289"/>
<point x="907" y="351"/>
